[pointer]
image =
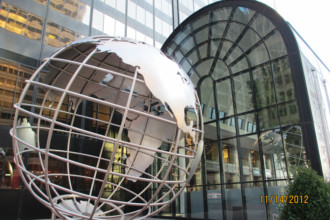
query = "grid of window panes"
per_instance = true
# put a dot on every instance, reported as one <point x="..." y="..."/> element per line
<point x="239" y="61"/>
<point x="19" y="21"/>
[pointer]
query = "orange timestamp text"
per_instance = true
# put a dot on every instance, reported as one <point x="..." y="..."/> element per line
<point x="284" y="199"/>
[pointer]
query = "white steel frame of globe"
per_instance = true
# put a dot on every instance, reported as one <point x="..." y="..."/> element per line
<point x="30" y="178"/>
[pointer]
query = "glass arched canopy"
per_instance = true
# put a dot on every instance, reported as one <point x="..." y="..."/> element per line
<point x="244" y="62"/>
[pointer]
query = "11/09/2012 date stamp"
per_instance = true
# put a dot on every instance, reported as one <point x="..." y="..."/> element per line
<point x="284" y="199"/>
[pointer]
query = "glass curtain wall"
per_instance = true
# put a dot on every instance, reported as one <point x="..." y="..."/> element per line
<point x="239" y="63"/>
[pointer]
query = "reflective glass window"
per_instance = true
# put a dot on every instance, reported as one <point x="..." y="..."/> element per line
<point x="268" y="118"/>
<point x="224" y="97"/>
<point x="288" y="113"/>
<point x="254" y="208"/>
<point x="243" y="14"/>
<point x="67" y="36"/>
<point x="212" y="161"/>
<point x="3" y="14"/>
<point x="195" y="193"/>
<point x="243" y="93"/>
<point x="230" y="160"/>
<point x="131" y="9"/>
<point x="248" y="123"/>
<point x="84" y="12"/>
<point x="264" y="86"/>
<point x="294" y="146"/>
<point x="220" y="70"/>
<point x="249" y="39"/>
<point x="275" y="45"/>
<point x="234" y="201"/>
<point x="120" y="29"/>
<point x="57" y="5"/>
<point x="97" y="20"/>
<point x="71" y="8"/>
<point x="258" y="55"/>
<point x="207" y="99"/>
<point x="121" y="6"/>
<point x="274" y="157"/>
<point x="34" y="27"/>
<point x="109" y="25"/>
<point x="17" y="19"/>
<point x="214" y="202"/>
<point x="52" y="34"/>
<point x="41" y="1"/>
<point x="262" y="25"/>
<point x="283" y="80"/>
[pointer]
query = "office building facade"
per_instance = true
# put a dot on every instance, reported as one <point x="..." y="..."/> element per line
<point x="261" y="88"/>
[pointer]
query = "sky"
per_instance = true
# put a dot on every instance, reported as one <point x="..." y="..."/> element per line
<point x="310" y="18"/>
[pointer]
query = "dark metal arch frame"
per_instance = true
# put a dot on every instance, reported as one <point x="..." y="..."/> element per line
<point x="295" y="64"/>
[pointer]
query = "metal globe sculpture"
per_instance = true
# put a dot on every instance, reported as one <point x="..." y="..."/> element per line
<point x="115" y="130"/>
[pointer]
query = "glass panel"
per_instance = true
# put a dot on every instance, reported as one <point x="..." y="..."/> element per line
<point x="222" y="14"/>
<point x="254" y="208"/>
<point x="67" y="36"/>
<point x="84" y="12"/>
<point x="204" y="67"/>
<point x="57" y="5"/>
<point x="202" y="35"/>
<point x="11" y="178"/>
<point x="248" y="123"/>
<point x="52" y="34"/>
<point x="226" y="45"/>
<point x="234" y="201"/>
<point x="97" y="20"/>
<point x="289" y="114"/>
<point x="203" y="51"/>
<point x="243" y="93"/>
<point x="248" y="144"/>
<point x="207" y="99"/>
<point x="3" y="14"/>
<point x="230" y="161"/>
<point x="228" y="127"/>
<point x="212" y="161"/>
<point x="264" y="86"/>
<point x="276" y="188"/>
<point x="187" y="45"/>
<point x="234" y="31"/>
<point x="220" y="70"/>
<point x="120" y="29"/>
<point x="249" y="39"/>
<point x="239" y="65"/>
<point x="268" y="118"/>
<point x="214" y="202"/>
<point x="243" y="15"/>
<point x="16" y="20"/>
<point x="274" y="158"/>
<point x="193" y="58"/>
<point x="218" y="29"/>
<point x="294" y="146"/>
<point x="41" y="1"/>
<point x="233" y="54"/>
<point x="200" y="21"/>
<point x="283" y="80"/>
<point x="34" y="27"/>
<point x="258" y="55"/>
<point x="224" y="97"/>
<point x="275" y="45"/>
<point x="71" y="8"/>
<point x="262" y="25"/>
<point x="109" y="25"/>
<point x="195" y="195"/>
